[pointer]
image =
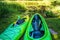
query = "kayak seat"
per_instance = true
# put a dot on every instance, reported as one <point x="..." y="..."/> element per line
<point x="36" y="34"/>
<point x="20" y="21"/>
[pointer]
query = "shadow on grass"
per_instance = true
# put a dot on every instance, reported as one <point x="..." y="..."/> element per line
<point x="54" y="23"/>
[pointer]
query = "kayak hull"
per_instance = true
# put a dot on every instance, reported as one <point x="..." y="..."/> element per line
<point x="14" y="32"/>
<point x="46" y="35"/>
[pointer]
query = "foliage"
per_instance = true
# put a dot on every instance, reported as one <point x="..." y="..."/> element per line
<point x="54" y="3"/>
<point x="54" y="23"/>
<point x="9" y="9"/>
<point x="9" y="13"/>
<point x="50" y="14"/>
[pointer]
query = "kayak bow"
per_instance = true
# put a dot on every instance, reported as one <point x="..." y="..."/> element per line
<point x="37" y="29"/>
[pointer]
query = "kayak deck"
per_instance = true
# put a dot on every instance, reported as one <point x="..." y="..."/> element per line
<point x="10" y="33"/>
<point x="44" y="28"/>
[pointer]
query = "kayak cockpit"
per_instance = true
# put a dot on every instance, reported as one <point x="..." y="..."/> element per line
<point x="36" y="26"/>
<point x="19" y="21"/>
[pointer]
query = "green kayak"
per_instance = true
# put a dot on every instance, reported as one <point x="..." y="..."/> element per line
<point x="15" y="30"/>
<point x="37" y="29"/>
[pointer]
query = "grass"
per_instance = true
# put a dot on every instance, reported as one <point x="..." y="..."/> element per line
<point x="54" y="23"/>
<point x="9" y="13"/>
<point x="6" y="21"/>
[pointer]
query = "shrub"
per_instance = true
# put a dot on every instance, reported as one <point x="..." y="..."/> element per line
<point x="11" y="8"/>
<point x="50" y="14"/>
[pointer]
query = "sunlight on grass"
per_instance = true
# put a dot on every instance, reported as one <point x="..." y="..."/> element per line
<point x="15" y="11"/>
